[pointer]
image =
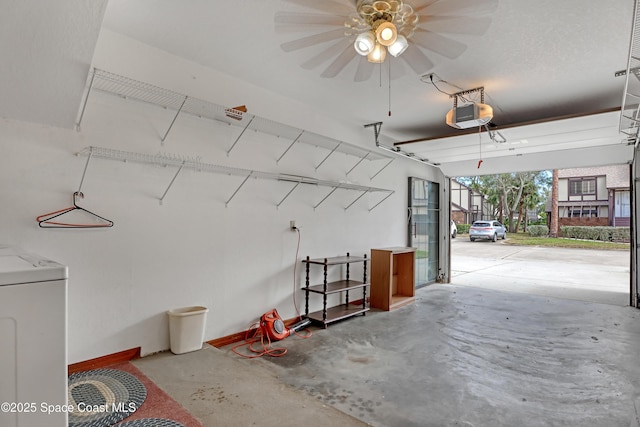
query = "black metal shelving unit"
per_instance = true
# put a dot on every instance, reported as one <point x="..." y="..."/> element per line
<point x="342" y="311"/>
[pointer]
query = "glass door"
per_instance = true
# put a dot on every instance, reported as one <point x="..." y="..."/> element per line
<point x="424" y="213"/>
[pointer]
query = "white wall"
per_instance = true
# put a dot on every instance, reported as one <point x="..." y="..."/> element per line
<point x="191" y="250"/>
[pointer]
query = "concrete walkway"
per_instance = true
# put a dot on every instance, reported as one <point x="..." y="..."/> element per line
<point x="581" y="274"/>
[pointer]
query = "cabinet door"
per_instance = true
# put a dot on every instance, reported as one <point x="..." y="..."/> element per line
<point x="423" y="230"/>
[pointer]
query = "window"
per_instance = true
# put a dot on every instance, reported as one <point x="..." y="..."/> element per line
<point x="578" y="187"/>
<point x="583" y="212"/>
<point x="622" y="204"/>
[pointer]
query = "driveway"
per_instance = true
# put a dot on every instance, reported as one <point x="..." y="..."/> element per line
<point x="580" y="274"/>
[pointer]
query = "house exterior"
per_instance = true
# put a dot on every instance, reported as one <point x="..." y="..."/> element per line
<point x="597" y="196"/>
<point x="468" y="205"/>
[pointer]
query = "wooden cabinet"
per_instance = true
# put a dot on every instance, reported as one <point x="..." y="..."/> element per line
<point x="392" y="277"/>
<point x="343" y="286"/>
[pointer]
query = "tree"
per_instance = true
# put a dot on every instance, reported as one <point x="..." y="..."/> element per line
<point x="553" y="226"/>
<point x="511" y="193"/>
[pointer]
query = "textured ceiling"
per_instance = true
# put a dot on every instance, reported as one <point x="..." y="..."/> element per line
<point x="538" y="61"/>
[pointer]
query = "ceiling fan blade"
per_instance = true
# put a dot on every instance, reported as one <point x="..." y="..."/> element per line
<point x="417" y="60"/>
<point x="313" y="40"/>
<point x="364" y="70"/>
<point x="420" y="6"/>
<point x="456" y="24"/>
<point x="460" y="7"/>
<point x="344" y="7"/>
<point x="347" y="55"/>
<point x="293" y="18"/>
<point x="438" y="43"/>
<point x="330" y="52"/>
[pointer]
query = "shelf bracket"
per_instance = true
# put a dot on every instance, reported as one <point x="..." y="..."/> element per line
<point x="174" y="119"/>
<point x="287" y="195"/>
<point x="326" y="197"/>
<point x="84" y="172"/>
<point x="238" y="189"/>
<point x="240" y="136"/>
<point x="359" y="161"/>
<point x="383" y="168"/>
<point x="376" y="205"/>
<point x="172" y="181"/>
<point x="332" y="151"/>
<point x="359" y="197"/>
<point x="290" y="146"/>
<point x="86" y="98"/>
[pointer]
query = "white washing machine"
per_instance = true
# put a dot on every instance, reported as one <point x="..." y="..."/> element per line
<point x="33" y="340"/>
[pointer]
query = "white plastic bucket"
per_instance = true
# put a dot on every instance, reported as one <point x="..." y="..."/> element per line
<point x="186" y="328"/>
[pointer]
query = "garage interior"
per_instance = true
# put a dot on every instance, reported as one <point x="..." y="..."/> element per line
<point x="139" y="106"/>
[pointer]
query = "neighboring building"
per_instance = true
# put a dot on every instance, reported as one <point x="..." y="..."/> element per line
<point x="597" y="196"/>
<point x="468" y="205"/>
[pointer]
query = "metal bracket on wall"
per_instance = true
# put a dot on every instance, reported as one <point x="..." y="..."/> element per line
<point x="380" y="202"/>
<point x="240" y="136"/>
<point x="171" y="183"/>
<point x="327" y="196"/>
<point x="383" y="168"/>
<point x="287" y="195"/>
<point x="84" y="172"/>
<point x="174" y="120"/>
<point x="226" y="204"/>
<point x="290" y="146"/>
<point x="328" y="155"/>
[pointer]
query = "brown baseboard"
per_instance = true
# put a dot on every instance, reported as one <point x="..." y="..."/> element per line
<point x="241" y="336"/>
<point x="101" y="362"/>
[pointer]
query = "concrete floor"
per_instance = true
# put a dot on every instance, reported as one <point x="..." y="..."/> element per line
<point x="458" y="356"/>
<point x="220" y="390"/>
<point x="518" y="339"/>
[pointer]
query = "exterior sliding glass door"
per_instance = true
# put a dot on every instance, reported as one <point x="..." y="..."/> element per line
<point x="423" y="230"/>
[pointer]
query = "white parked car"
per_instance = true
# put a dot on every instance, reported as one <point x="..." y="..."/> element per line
<point x="489" y="230"/>
<point x="454" y="229"/>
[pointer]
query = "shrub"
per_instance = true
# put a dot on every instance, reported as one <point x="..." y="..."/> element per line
<point x="605" y="234"/>
<point x="463" y="228"/>
<point x="538" y="230"/>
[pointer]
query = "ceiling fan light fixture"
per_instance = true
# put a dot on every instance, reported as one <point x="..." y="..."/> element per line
<point x="365" y="43"/>
<point x="386" y="33"/>
<point x="378" y="54"/>
<point x="399" y="46"/>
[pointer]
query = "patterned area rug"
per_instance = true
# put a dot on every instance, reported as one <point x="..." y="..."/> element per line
<point x="150" y="422"/>
<point x="103" y="397"/>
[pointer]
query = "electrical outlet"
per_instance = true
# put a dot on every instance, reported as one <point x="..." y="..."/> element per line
<point x="292" y="225"/>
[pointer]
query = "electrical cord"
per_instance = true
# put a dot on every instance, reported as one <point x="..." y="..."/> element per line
<point x="295" y="288"/>
<point x="433" y="83"/>
<point x="255" y="334"/>
<point x="295" y="265"/>
<point x="463" y="98"/>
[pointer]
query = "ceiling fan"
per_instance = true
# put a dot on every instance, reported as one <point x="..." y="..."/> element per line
<point x="366" y="30"/>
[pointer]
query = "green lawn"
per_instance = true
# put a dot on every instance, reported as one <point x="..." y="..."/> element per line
<point x="526" y="240"/>
<point x="523" y="239"/>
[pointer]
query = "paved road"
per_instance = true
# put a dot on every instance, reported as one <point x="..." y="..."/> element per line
<point x="581" y="274"/>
